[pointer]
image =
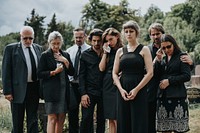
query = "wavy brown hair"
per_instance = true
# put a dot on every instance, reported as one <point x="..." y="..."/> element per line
<point x="113" y="32"/>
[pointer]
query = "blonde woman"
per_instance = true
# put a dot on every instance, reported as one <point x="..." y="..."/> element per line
<point x="54" y="67"/>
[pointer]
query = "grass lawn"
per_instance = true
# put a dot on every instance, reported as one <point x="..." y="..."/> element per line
<point x="5" y="117"/>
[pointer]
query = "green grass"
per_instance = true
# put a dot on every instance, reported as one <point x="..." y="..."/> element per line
<point x="5" y="119"/>
<point x="194" y="112"/>
<point x="6" y="125"/>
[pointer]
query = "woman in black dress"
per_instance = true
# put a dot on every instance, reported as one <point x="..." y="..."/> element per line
<point x="54" y="67"/>
<point x="111" y="42"/>
<point x="134" y="62"/>
<point x="172" y="106"/>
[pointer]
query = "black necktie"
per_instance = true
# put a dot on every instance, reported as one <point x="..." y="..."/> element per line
<point x="33" y="65"/>
<point x="76" y="63"/>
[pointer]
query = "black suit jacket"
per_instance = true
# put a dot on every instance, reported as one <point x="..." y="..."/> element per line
<point x="15" y="72"/>
<point x="51" y="85"/>
<point x="177" y="73"/>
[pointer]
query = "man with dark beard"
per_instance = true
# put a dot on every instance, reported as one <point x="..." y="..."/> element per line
<point x="90" y="84"/>
<point x="155" y="31"/>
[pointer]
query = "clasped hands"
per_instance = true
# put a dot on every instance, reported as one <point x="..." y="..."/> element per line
<point x="128" y="96"/>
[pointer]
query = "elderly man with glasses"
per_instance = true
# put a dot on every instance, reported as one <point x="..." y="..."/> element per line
<point x="20" y="82"/>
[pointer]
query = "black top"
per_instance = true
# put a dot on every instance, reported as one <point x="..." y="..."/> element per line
<point x="177" y="73"/>
<point x="90" y="77"/>
<point x="110" y="58"/>
<point x="51" y="85"/>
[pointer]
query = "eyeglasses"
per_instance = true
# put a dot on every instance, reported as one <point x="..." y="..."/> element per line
<point x="26" y="38"/>
<point x="167" y="47"/>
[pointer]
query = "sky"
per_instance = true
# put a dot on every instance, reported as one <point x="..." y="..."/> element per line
<point x="13" y="13"/>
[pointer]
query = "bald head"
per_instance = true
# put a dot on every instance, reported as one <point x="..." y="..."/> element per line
<point x="27" y="35"/>
<point x="26" y="28"/>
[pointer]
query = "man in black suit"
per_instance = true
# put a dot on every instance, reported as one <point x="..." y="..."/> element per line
<point x="20" y="83"/>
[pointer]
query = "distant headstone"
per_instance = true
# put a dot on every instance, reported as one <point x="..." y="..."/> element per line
<point x="193" y="94"/>
<point x="197" y="70"/>
<point x="195" y="81"/>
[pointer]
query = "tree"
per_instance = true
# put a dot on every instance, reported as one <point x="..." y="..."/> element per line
<point x="195" y="20"/>
<point x="93" y="12"/>
<point x="182" y="32"/>
<point x="7" y="39"/>
<point x="66" y="29"/>
<point x="183" y="11"/>
<point x="52" y="26"/>
<point x="196" y="53"/>
<point x="154" y="14"/>
<point x="36" y="22"/>
<point x="97" y="14"/>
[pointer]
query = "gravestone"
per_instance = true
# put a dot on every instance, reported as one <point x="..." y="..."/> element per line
<point x="193" y="94"/>
<point x="197" y="70"/>
<point x="195" y="81"/>
<point x="193" y="91"/>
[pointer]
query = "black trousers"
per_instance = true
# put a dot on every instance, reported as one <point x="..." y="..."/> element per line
<point x="30" y="105"/>
<point x="152" y="117"/>
<point x="87" y="124"/>
<point x="73" y="114"/>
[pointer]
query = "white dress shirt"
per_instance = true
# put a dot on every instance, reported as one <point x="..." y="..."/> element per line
<point x="28" y="60"/>
<point x="72" y="52"/>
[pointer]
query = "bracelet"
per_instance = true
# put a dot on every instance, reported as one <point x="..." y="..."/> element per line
<point x="104" y="53"/>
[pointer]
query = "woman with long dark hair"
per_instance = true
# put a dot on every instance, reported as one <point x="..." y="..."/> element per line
<point x="172" y="106"/>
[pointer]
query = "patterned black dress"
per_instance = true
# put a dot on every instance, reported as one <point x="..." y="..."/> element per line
<point x="172" y="113"/>
<point x="132" y="115"/>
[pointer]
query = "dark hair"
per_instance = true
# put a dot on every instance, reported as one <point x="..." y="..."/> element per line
<point x="112" y="32"/>
<point x="95" y="32"/>
<point x="169" y="38"/>
<point x="156" y="26"/>
<point x="133" y="25"/>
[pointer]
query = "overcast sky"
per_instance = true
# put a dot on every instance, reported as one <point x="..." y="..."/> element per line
<point x="13" y="13"/>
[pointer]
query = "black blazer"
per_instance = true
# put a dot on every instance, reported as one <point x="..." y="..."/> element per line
<point x="14" y="71"/>
<point x="177" y="73"/>
<point x="51" y="84"/>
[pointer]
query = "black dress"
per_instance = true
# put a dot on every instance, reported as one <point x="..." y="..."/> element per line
<point x="132" y="115"/>
<point x="109" y="89"/>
